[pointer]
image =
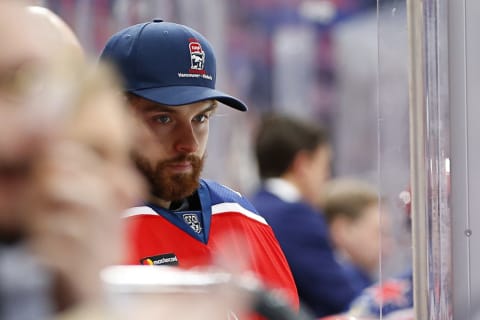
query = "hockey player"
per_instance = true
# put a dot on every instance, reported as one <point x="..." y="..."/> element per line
<point x="169" y="77"/>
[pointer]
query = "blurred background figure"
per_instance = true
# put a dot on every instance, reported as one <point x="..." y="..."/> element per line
<point x="359" y="227"/>
<point x="392" y="297"/>
<point x="293" y="158"/>
<point x="64" y="175"/>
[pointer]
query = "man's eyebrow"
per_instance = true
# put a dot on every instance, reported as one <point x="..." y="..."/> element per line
<point x="172" y="109"/>
<point x="211" y="107"/>
<point x="155" y="107"/>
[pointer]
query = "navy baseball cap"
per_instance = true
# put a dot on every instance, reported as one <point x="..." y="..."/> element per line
<point x="166" y="62"/>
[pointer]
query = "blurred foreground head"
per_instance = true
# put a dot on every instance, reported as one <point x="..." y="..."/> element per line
<point x="59" y="37"/>
<point x="29" y="56"/>
<point x="31" y="60"/>
<point x="65" y="173"/>
<point x="48" y="93"/>
<point x="80" y="183"/>
<point x="97" y="123"/>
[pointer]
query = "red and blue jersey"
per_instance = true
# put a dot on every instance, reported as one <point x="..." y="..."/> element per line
<point x="389" y="299"/>
<point x="224" y="226"/>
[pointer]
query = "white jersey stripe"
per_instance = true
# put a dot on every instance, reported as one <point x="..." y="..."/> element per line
<point x="228" y="207"/>
<point x="138" y="211"/>
<point x="216" y="209"/>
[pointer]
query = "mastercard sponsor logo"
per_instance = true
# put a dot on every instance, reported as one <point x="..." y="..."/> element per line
<point x="147" y="262"/>
<point x="163" y="259"/>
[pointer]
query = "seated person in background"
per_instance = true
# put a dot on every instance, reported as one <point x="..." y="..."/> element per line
<point x="293" y="159"/>
<point x="359" y="228"/>
<point x="389" y="299"/>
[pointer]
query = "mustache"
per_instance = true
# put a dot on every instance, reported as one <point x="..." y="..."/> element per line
<point x="181" y="158"/>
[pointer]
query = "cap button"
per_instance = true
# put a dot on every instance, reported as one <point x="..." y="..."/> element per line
<point x="157" y="20"/>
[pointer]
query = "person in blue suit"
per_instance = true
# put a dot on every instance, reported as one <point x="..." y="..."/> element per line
<point x="293" y="157"/>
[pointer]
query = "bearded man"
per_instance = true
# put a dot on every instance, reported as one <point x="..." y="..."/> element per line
<point x="169" y="79"/>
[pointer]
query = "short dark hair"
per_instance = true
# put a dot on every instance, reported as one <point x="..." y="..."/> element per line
<point x="280" y="138"/>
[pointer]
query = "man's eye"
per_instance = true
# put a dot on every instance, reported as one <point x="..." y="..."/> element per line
<point x="162" y="119"/>
<point x="22" y="82"/>
<point x="201" y="118"/>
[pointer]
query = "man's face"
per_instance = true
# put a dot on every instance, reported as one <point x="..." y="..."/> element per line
<point x="21" y="134"/>
<point x="369" y="238"/>
<point x="173" y="145"/>
<point x="107" y="142"/>
<point x="316" y="172"/>
<point x="33" y="90"/>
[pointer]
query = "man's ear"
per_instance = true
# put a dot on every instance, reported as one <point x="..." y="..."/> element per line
<point x="300" y="164"/>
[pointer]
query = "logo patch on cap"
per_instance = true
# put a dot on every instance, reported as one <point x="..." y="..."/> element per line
<point x="197" y="56"/>
<point x="197" y="61"/>
<point x="169" y="259"/>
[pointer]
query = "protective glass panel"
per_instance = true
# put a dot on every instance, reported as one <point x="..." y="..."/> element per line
<point x="430" y="145"/>
<point x="375" y="143"/>
<point x="464" y="98"/>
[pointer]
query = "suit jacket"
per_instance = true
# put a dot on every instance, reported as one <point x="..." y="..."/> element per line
<point x="323" y="285"/>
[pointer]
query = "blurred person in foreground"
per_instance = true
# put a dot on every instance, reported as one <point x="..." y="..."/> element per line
<point x="359" y="228"/>
<point x="293" y="158"/>
<point x="187" y="221"/>
<point x="62" y="175"/>
<point x="26" y="61"/>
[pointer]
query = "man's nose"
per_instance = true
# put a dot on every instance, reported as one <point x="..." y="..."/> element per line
<point x="186" y="140"/>
<point x="20" y="134"/>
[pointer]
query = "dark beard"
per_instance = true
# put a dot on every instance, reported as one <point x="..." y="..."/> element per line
<point x="166" y="186"/>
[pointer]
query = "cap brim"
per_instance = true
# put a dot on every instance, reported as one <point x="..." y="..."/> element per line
<point x="181" y="95"/>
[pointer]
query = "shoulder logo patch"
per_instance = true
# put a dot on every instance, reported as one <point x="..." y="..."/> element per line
<point x="193" y="221"/>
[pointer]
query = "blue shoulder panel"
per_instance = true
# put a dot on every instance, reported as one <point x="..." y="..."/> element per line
<point x="222" y="194"/>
